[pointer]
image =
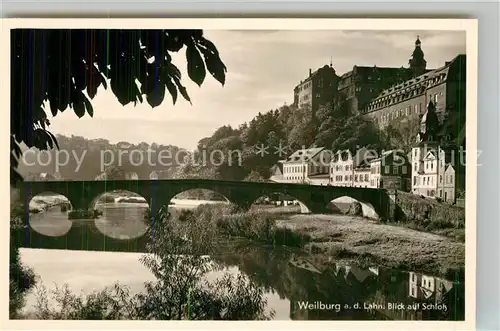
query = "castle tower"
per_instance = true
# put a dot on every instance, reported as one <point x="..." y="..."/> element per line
<point x="429" y="124"/>
<point x="417" y="62"/>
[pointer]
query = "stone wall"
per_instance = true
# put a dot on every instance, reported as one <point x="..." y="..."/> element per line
<point x="428" y="212"/>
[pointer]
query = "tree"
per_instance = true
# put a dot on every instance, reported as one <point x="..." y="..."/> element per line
<point x="255" y="176"/>
<point x="402" y="135"/>
<point x="58" y="69"/>
<point x="114" y="173"/>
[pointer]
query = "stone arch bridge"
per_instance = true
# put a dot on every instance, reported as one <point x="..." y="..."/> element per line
<point x="84" y="194"/>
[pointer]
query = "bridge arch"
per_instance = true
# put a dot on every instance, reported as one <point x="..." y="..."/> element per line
<point x="48" y="214"/>
<point x="344" y="205"/>
<point x="280" y="202"/>
<point x="123" y="214"/>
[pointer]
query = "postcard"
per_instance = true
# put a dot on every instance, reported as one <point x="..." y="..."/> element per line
<point x="260" y="172"/>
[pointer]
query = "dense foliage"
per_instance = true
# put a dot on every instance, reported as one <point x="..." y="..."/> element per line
<point x="281" y="132"/>
<point x="58" y="69"/>
<point x="93" y="155"/>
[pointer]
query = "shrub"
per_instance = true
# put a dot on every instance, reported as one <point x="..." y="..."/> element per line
<point x="174" y="259"/>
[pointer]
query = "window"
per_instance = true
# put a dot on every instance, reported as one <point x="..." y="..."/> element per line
<point x="440" y="193"/>
<point x="350" y="178"/>
<point x="440" y="178"/>
<point x="355" y="178"/>
<point x="346" y="168"/>
<point x="346" y="178"/>
<point x="415" y="180"/>
<point x="366" y="177"/>
<point x="432" y="165"/>
<point x="387" y="169"/>
<point x="415" y="167"/>
<point x="435" y="98"/>
<point x="403" y="170"/>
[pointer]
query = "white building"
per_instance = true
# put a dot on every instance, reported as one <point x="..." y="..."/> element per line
<point x="433" y="174"/>
<point x="342" y="169"/>
<point x="305" y="163"/>
<point x="346" y="170"/>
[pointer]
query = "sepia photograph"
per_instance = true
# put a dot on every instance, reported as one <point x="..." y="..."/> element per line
<point x="244" y="173"/>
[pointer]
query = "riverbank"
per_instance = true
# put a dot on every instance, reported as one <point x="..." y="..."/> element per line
<point x="367" y="242"/>
<point x="43" y="202"/>
<point x="358" y="240"/>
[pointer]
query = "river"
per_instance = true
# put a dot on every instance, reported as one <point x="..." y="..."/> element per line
<point x="291" y="281"/>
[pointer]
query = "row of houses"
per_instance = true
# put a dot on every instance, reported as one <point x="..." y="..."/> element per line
<point x="428" y="169"/>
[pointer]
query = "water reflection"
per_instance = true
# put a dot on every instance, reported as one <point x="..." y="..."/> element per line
<point x="338" y="291"/>
<point x="122" y="220"/>
<point x="347" y="292"/>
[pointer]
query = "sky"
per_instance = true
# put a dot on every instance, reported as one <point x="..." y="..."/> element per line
<point x="262" y="69"/>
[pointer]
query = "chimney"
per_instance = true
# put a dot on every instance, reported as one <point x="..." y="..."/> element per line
<point x="310" y="72"/>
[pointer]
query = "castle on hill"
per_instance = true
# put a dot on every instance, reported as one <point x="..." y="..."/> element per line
<point x="388" y="95"/>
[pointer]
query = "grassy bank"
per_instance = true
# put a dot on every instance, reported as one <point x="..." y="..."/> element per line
<point x="431" y="215"/>
<point x="333" y="237"/>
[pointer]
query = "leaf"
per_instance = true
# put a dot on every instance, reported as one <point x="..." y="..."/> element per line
<point x="171" y="89"/>
<point x="88" y="106"/>
<point x="54" y="139"/>
<point x="79" y="109"/>
<point x="104" y="82"/>
<point x="214" y="65"/>
<point x="196" y="67"/>
<point x="156" y="96"/>
<point x="53" y="107"/>
<point x="182" y="89"/>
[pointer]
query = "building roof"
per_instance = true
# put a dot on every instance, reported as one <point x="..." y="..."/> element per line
<point x="419" y="81"/>
<point x="390" y="153"/>
<point x="316" y="72"/>
<point x="363" y="157"/>
<point x="305" y="155"/>
<point x="342" y="155"/>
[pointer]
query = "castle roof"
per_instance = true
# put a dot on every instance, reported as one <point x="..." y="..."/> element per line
<point x="315" y="73"/>
<point x="424" y="80"/>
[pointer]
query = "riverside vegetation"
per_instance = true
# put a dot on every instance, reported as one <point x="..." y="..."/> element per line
<point x="198" y="234"/>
